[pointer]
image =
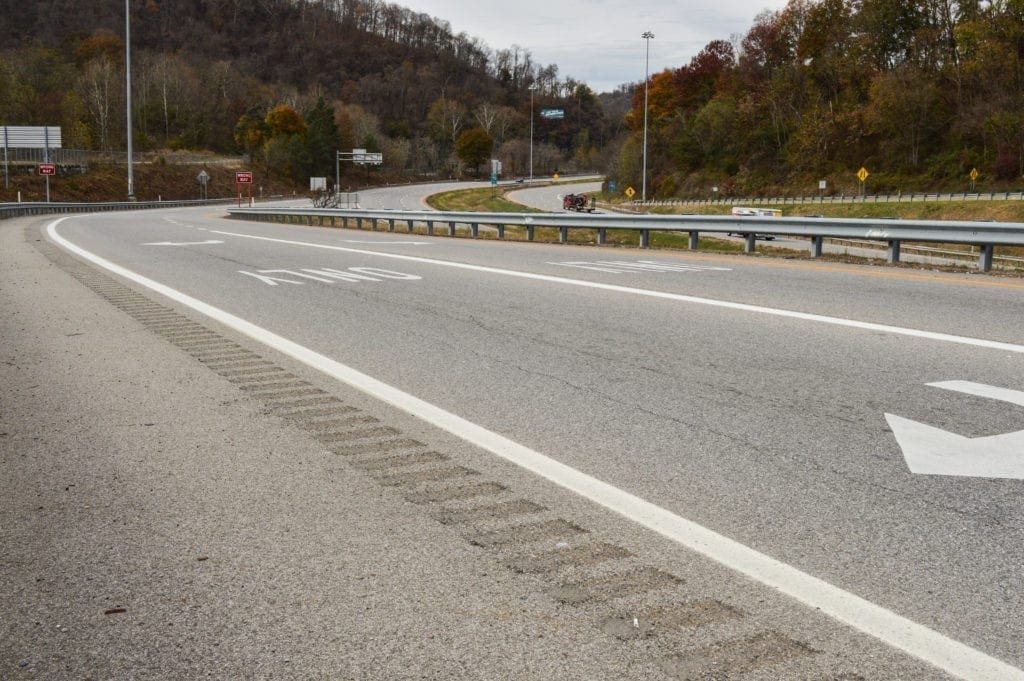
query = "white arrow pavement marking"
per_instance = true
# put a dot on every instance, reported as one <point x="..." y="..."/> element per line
<point x="182" y="243"/>
<point x="933" y="451"/>
<point x="947" y="654"/>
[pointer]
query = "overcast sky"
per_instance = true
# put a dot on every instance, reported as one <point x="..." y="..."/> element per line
<point x="599" y="41"/>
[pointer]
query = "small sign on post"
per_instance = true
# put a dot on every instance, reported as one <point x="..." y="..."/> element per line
<point x="862" y="175"/>
<point x="974" y="177"/>
<point x="204" y="178"/>
<point x="47" y="169"/>
<point x="243" y="177"/>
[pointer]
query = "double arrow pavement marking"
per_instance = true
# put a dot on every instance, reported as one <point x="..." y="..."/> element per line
<point x="933" y="451"/>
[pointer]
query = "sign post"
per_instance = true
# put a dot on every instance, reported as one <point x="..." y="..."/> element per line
<point x="204" y="179"/>
<point x="862" y="175"/>
<point x="47" y="169"/>
<point x="243" y="177"/>
<point x="974" y="176"/>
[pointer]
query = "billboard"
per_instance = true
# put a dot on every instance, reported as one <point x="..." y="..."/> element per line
<point x="30" y="137"/>
<point x="552" y="113"/>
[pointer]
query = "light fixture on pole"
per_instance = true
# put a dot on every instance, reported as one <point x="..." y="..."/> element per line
<point x="647" y="67"/>
<point x="532" y="88"/>
<point x="128" y="94"/>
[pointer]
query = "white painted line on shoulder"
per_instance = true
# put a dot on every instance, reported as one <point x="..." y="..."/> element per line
<point x="895" y="630"/>
<point x="743" y="307"/>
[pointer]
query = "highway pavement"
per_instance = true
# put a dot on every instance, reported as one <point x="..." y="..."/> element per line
<point x="481" y="459"/>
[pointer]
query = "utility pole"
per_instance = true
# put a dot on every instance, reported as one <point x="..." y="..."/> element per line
<point x="128" y="94"/>
<point x="647" y="67"/>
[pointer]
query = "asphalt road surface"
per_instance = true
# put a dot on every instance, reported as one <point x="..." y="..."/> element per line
<point x="245" y="449"/>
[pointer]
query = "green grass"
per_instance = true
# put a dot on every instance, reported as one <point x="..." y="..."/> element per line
<point x="486" y="200"/>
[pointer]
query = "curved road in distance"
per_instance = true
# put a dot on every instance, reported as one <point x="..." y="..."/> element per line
<point x="749" y="397"/>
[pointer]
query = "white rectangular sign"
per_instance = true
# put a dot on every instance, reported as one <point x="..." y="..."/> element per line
<point x="30" y="137"/>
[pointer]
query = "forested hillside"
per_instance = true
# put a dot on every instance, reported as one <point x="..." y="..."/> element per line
<point x="207" y="73"/>
<point x="917" y="91"/>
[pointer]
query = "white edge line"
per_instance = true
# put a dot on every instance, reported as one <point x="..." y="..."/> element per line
<point x="895" y="630"/>
<point x="805" y="316"/>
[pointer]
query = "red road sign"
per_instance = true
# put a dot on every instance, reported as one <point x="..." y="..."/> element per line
<point x="243" y="177"/>
<point x="47" y="169"/>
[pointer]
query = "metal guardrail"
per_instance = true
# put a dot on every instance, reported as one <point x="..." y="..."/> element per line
<point x="907" y="197"/>
<point x="13" y="210"/>
<point x="984" y="235"/>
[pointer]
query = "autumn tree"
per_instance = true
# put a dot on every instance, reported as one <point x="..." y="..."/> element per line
<point x="474" y="147"/>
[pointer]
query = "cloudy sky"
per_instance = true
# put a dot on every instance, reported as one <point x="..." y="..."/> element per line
<point x="599" y="41"/>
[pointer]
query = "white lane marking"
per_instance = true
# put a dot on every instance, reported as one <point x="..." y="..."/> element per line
<point x="632" y="267"/>
<point x="981" y="390"/>
<point x="933" y="451"/>
<point x="893" y="629"/>
<point x="182" y="243"/>
<point x="744" y="307"/>
<point x="389" y="243"/>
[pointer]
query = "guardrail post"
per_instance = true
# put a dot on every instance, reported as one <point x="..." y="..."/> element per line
<point x="344" y="221"/>
<point x="645" y="238"/>
<point x="408" y="226"/>
<point x="602" y="236"/>
<point x="529" y="232"/>
<point x="694" y="241"/>
<point x="359" y="223"/>
<point x="985" y="257"/>
<point x="391" y="225"/>
<point x="894" y="251"/>
<point x="309" y="220"/>
<point x="501" y="231"/>
<point x="816" y="243"/>
<point x="373" y="224"/>
<point x="333" y="222"/>
<point x="474" y="229"/>
<point x="451" y="229"/>
<point x="563" y="234"/>
<point x="749" y="243"/>
<point x="430" y="228"/>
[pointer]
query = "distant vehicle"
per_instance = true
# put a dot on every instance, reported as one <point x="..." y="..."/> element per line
<point x="579" y="202"/>
<point x="519" y="180"/>
<point x="763" y="212"/>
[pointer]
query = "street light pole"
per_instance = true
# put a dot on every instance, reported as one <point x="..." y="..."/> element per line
<point x="532" y="88"/>
<point x="647" y="67"/>
<point x="128" y="95"/>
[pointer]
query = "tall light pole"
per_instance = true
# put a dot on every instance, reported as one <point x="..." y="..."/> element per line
<point x="647" y="67"/>
<point x="128" y="94"/>
<point x="532" y="88"/>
